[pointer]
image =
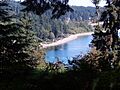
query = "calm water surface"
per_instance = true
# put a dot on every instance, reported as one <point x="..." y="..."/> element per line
<point x="69" y="50"/>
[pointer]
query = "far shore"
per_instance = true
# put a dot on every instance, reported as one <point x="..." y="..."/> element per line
<point x="65" y="40"/>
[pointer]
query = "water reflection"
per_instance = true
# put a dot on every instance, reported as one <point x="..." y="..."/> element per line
<point x="69" y="50"/>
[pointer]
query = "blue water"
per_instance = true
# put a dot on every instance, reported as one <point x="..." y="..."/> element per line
<point x="79" y="46"/>
<point x="69" y="50"/>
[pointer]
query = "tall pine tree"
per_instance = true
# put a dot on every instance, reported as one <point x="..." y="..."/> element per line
<point x="17" y="43"/>
<point x="105" y="37"/>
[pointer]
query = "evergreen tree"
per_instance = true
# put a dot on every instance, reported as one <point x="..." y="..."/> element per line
<point x="17" y="43"/>
<point x="105" y="38"/>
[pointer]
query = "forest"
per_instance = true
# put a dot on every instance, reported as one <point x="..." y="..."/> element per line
<point x="47" y="29"/>
<point x="22" y="28"/>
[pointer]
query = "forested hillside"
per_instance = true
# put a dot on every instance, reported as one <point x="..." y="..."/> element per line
<point x="47" y="29"/>
<point x="81" y="13"/>
<point x="71" y="23"/>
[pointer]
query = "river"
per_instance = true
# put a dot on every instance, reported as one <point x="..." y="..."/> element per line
<point x="79" y="46"/>
<point x="69" y="50"/>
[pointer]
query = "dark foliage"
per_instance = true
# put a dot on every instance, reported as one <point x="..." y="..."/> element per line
<point x="108" y="34"/>
<point x="58" y="8"/>
<point x="16" y="44"/>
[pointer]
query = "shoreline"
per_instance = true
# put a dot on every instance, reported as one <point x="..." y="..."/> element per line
<point x="65" y="40"/>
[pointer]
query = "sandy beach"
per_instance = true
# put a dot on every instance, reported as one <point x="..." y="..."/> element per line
<point x="65" y="40"/>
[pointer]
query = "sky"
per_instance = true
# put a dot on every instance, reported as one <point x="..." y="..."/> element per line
<point x="84" y="3"/>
